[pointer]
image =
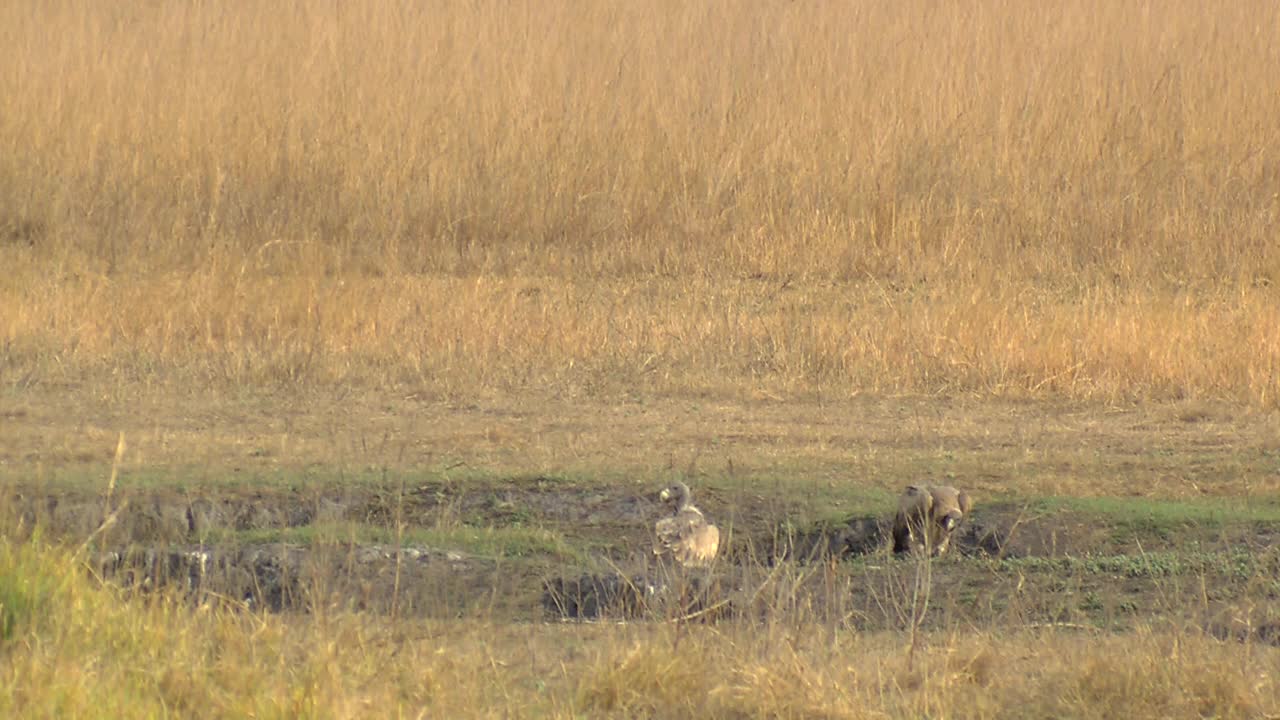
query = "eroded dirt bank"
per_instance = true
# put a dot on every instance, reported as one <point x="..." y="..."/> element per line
<point x="288" y="550"/>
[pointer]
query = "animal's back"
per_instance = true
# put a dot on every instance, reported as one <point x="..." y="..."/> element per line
<point x="702" y="545"/>
<point x="687" y="537"/>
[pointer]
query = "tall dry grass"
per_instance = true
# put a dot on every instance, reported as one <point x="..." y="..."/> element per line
<point x="991" y="197"/>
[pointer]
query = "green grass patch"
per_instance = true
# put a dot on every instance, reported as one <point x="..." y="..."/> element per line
<point x="1154" y="514"/>
<point x="1238" y="564"/>
<point x="26" y="586"/>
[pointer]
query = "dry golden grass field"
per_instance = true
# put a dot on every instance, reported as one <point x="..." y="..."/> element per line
<point x="294" y="285"/>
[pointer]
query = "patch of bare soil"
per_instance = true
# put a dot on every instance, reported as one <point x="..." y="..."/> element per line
<point x="283" y="576"/>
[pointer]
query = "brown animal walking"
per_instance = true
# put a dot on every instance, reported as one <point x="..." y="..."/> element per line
<point x="927" y="515"/>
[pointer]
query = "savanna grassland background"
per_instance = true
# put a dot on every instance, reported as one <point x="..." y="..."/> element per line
<point x="788" y="249"/>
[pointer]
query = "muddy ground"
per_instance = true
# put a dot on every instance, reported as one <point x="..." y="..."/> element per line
<point x="1012" y="563"/>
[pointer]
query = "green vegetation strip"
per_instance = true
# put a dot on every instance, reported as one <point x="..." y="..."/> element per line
<point x="1236" y="563"/>
<point x="1212" y="512"/>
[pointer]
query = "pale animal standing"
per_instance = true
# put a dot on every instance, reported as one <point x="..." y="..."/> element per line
<point x="685" y="536"/>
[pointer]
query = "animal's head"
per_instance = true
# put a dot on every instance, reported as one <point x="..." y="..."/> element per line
<point x="950" y="510"/>
<point x="927" y="515"/>
<point x="676" y="494"/>
<point x="951" y="520"/>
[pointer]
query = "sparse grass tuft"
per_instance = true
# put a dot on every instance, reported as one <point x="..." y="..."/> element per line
<point x="24" y="588"/>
